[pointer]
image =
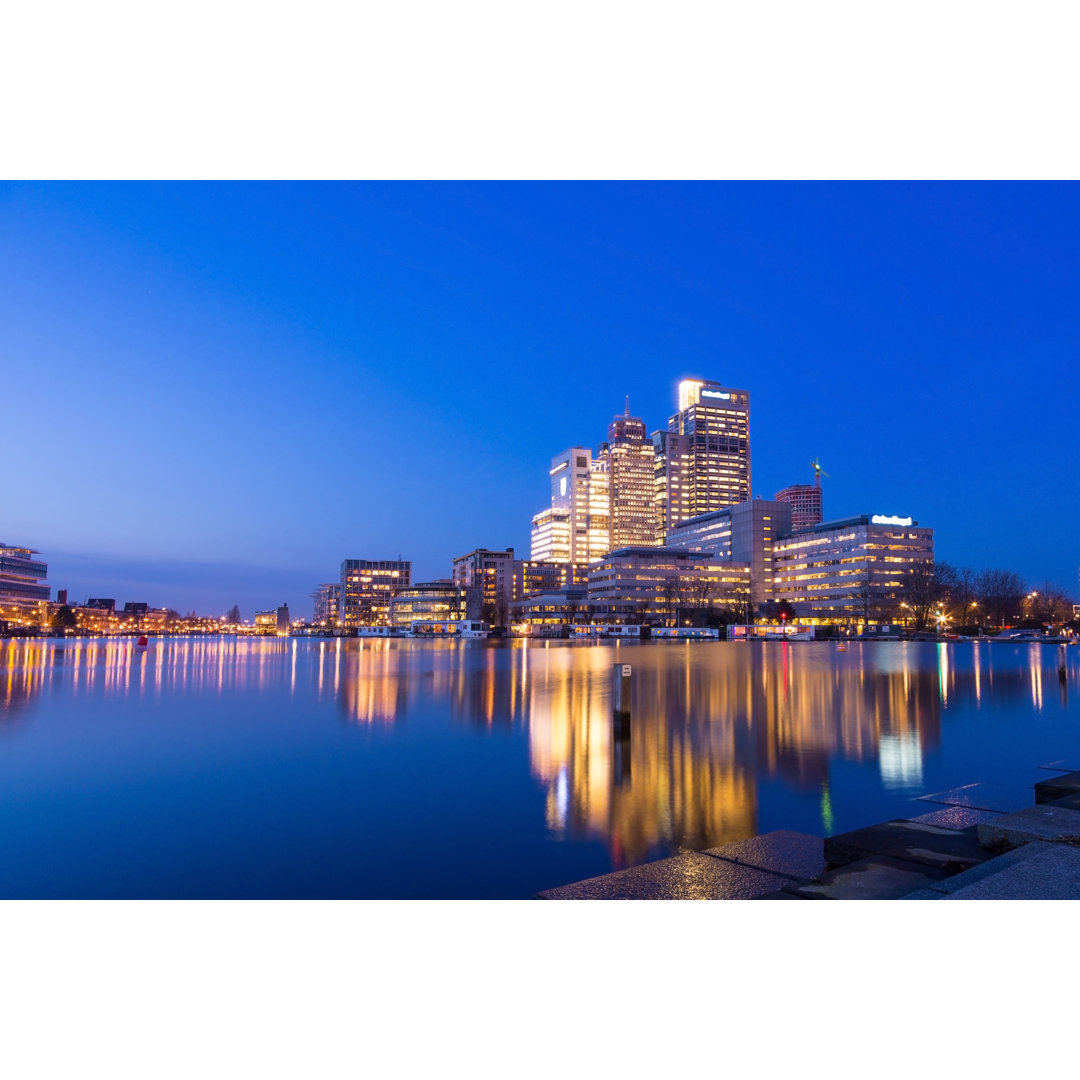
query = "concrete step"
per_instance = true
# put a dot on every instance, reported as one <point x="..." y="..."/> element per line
<point x="1057" y="787"/>
<point x="692" y="876"/>
<point x="1037" y="871"/>
<point x="1053" y="823"/>
<point x="795" y="855"/>
<point x="950" y="850"/>
<point x="878" y="878"/>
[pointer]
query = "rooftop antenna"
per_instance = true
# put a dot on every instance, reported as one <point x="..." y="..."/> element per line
<point x="819" y="472"/>
<point x="627" y="413"/>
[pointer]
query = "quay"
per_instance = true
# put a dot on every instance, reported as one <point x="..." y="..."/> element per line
<point x="982" y="843"/>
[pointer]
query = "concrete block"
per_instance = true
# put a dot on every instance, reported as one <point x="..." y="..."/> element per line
<point x="956" y="817"/>
<point x="950" y="850"/>
<point x="878" y="878"/>
<point x="795" y="855"/>
<point x="1054" y="823"/>
<point x="998" y="797"/>
<point x="692" y="876"/>
<point x="1057" y="787"/>
<point x="1070" y="802"/>
<point x="992" y="866"/>
<point x="1052" y="874"/>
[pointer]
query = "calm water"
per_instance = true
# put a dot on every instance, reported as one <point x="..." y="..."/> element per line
<point x="371" y="769"/>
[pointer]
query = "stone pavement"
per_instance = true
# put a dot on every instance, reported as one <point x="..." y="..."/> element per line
<point x="975" y="847"/>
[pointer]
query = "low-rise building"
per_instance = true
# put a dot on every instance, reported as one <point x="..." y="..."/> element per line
<point x="24" y="595"/>
<point x="367" y="587"/>
<point x="327" y="604"/>
<point x="547" y="613"/>
<point x="434" y="601"/>
<point x="667" y="586"/>
<point x="852" y="570"/>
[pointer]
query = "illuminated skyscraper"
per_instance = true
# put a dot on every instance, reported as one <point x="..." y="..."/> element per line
<point x="576" y="527"/>
<point x="629" y="460"/>
<point x="703" y="459"/>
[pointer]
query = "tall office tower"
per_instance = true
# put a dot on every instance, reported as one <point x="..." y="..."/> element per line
<point x="711" y="460"/>
<point x="669" y="468"/>
<point x="805" y="502"/>
<point x="367" y="586"/>
<point x="576" y="527"/>
<point x="629" y="460"/>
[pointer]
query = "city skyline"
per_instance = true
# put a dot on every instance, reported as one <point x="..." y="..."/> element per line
<point x="215" y="424"/>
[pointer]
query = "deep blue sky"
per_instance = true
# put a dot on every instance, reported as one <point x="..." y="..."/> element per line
<point x="213" y="393"/>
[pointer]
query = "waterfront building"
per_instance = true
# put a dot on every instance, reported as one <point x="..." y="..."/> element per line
<point x="435" y="601"/>
<point x="851" y="570"/>
<point x="492" y="574"/>
<point x="326" y="604"/>
<point x="266" y="623"/>
<point x="576" y="527"/>
<point x="744" y="533"/>
<point x="548" y="613"/>
<point x="805" y="500"/>
<point x="283" y="621"/>
<point x="532" y="577"/>
<point x="367" y="586"/>
<point x="662" y="585"/>
<point x="629" y="460"/>
<point x="707" y="467"/>
<point x="24" y="594"/>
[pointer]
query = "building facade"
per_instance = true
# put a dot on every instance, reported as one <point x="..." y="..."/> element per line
<point x="805" y="501"/>
<point x="24" y="594"/>
<point x="326" y="604"/>
<point x="532" y="577"/>
<point x="434" y="601"/>
<point x="665" y="586"/>
<point x="707" y="467"/>
<point x="367" y="587"/>
<point x="852" y="570"/>
<point x="491" y="573"/>
<point x="745" y="533"/>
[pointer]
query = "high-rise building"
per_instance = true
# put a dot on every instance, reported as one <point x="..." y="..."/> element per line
<point x="367" y="586"/>
<point x="629" y="460"/>
<point x="492" y="574"/>
<point x="707" y="467"/>
<point x="577" y="526"/>
<point x="805" y="502"/>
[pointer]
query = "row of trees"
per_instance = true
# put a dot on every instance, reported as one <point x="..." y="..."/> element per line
<point x="984" y="598"/>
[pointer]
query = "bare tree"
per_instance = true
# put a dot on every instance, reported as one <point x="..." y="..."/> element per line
<point x="921" y="592"/>
<point x="1051" y="604"/>
<point x="962" y="596"/>
<point x="1001" y="592"/>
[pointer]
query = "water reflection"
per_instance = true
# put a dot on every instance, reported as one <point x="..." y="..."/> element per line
<point x="711" y="725"/>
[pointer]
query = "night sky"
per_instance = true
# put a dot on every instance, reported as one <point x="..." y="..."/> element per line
<point x="213" y="393"/>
